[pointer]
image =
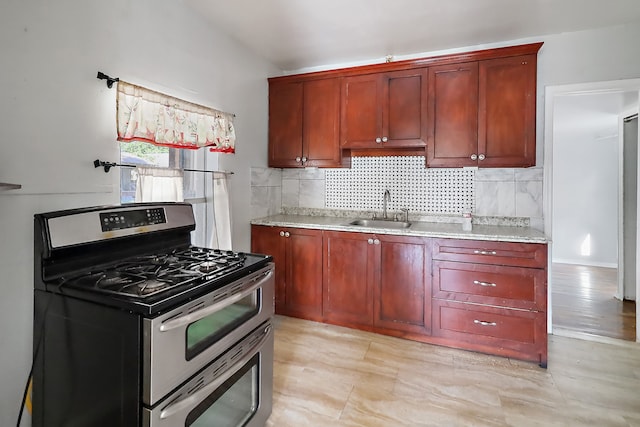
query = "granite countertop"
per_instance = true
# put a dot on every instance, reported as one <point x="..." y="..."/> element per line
<point x="498" y="233"/>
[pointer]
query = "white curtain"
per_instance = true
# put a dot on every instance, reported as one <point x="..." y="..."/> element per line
<point x="159" y="185"/>
<point x="148" y="116"/>
<point x="221" y="233"/>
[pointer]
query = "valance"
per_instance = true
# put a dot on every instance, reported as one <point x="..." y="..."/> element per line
<point x="149" y="116"/>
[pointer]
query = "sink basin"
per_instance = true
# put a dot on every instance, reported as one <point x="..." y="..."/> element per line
<point x="380" y="223"/>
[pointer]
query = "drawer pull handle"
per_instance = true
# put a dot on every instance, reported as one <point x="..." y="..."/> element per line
<point x="484" y="252"/>
<point x="484" y="323"/>
<point x="485" y="284"/>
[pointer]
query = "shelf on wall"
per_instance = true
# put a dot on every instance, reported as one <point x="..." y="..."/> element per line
<point x="7" y="186"/>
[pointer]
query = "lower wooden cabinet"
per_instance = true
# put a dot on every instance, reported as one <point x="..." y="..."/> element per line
<point x="402" y="290"/>
<point x="297" y="254"/>
<point x="482" y="296"/>
<point x="377" y="281"/>
<point x="491" y="297"/>
<point x="348" y="275"/>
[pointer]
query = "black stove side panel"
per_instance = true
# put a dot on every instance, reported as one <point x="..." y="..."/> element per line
<point x="87" y="364"/>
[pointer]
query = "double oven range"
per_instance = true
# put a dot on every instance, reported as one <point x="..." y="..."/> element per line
<point x="134" y="326"/>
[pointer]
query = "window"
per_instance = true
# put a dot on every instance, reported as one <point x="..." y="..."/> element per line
<point x="196" y="184"/>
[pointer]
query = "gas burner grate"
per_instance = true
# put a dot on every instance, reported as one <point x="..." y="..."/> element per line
<point x="147" y="275"/>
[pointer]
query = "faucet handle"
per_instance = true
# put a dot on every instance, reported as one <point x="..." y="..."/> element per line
<point x="405" y="212"/>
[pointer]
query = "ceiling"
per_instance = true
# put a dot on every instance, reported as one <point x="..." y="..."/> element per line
<point x="301" y="34"/>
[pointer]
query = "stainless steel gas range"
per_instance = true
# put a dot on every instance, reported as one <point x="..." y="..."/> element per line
<point x="134" y="326"/>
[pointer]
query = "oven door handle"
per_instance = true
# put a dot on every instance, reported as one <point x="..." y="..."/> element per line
<point x="199" y="396"/>
<point x="204" y="312"/>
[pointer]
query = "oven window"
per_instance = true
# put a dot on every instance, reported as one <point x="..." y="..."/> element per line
<point x="233" y="403"/>
<point x="206" y="331"/>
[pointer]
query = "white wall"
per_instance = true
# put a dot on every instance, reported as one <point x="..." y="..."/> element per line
<point x="585" y="198"/>
<point x="56" y="118"/>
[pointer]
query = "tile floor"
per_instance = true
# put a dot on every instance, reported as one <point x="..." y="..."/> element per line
<point x="337" y="377"/>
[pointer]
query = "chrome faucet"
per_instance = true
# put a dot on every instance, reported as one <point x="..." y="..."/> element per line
<point x="386" y="197"/>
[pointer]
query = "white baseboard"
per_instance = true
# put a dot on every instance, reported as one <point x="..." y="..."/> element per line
<point x="584" y="262"/>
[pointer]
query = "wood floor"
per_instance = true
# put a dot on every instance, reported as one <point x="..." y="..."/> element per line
<point x="583" y="301"/>
<point x="331" y="376"/>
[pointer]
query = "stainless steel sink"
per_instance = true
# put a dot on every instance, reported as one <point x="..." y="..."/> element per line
<point x="380" y="223"/>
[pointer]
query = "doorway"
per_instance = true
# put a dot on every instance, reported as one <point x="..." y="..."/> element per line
<point x="583" y="171"/>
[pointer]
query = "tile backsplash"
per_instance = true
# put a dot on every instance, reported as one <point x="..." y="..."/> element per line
<point x="510" y="193"/>
<point x="410" y="184"/>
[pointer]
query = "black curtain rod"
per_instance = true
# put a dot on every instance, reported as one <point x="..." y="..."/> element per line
<point x="110" y="80"/>
<point x="108" y="165"/>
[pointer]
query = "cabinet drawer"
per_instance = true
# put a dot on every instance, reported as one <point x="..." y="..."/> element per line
<point x="486" y="252"/>
<point x="506" y="286"/>
<point x="499" y="328"/>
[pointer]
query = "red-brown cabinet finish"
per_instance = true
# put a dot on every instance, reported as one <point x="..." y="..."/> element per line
<point x="297" y="254"/>
<point x="453" y="115"/>
<point x="304" y="123"/>
<point x="491" y="297"/>
<point x="402" y="300"/>
<point x="384" y="110"/>
<point x="507" y="112"/>
<point x="515" y="287"/>
<point x="504" y="331"/>
<point x="489" y="252"/>
<point x="285" y="123"/>
<point x="321" y="123"/>
<point x="348" y="277"/>
<point x="379" y="282"/>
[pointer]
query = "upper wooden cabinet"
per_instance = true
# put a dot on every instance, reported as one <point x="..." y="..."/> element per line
<point x="304" y="119"/>
<point x="453" y="115"/>
<point x="507" y="112"/>
<point x="466" y="109"/>
<point x="384" y="110"/>
<point x="483" y="113"/>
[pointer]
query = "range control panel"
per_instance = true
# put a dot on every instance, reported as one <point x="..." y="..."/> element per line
<point x="111" y="221"/>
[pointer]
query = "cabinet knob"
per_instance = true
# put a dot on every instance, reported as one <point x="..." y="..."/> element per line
<point x="474" y="157"/>
<point x="370" y="241"/>
<point x="282" y="234"/>
<point x="298" y="159"/>
<point x="287" y="234"/>
<point x="385" y="139"/>
<point x="304" y="159"/>
<point x="378" y="140"/>
<point x="376" y="242"/>
<point x="481" y="157"/>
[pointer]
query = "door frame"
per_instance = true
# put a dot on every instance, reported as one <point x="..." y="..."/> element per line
<point x="551" y="92"/>
<point x="627" y="113"/>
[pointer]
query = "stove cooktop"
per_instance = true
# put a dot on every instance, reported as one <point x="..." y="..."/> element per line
<point x="144" y="276"/>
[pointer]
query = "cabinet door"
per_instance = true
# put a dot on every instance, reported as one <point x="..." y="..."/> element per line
<point x="303" y="285"/>
<point x="453" y="115"/>
<point x="402" y="292"/>
<point x="507" y="112"/>
<point x="267" y="240"/>
<point x="348" y="275"/>
<point x="404" y="106"/>
<point x="321" y="123"/>
<point x="360" y="117"/>
<point x="285" y="124"/>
